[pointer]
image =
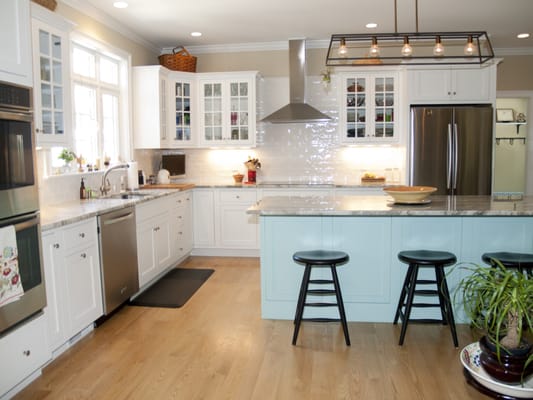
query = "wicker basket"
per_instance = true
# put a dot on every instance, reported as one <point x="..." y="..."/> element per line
<point x="179" y="60"/>
<point x="50" y="4"/>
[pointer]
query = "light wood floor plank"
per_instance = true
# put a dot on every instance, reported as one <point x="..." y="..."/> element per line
<point x="218" y="347"/>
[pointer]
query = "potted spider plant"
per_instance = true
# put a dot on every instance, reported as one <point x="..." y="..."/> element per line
<point x="499" y="302"/>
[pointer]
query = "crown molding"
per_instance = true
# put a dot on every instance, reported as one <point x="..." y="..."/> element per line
<point x="249" y="47"/>
<point x="110" y="22"/>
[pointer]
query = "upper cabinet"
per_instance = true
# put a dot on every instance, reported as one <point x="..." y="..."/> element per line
<point x="181" y="109"/>
<point x="51" y="66"/>
<point x="450" y="85"/>
<point x="369" y="107"/>
<point x="15" y="57"/>
<point x="227" y="109"/>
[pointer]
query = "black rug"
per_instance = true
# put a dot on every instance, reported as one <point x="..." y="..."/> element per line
<point x="173" y="289"/>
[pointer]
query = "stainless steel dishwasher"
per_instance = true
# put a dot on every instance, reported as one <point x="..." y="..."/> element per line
<point x="118" y="257"/>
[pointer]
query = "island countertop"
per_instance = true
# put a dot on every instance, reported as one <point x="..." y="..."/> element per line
<point x="384" y="206"/>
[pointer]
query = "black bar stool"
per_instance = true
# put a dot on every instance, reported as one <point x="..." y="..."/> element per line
<point x="320" y="258"/>
<point x="425" y="258"/>
<point x="523" y="262"/>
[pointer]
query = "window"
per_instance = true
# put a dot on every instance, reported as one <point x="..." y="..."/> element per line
<point x="100" y="103"/>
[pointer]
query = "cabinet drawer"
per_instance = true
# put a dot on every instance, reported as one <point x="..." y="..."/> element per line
<point x="26" y="350"/>
<point x="245" y="196"/>
<point x="80" y="234"/>
<point x="182" y="199"/>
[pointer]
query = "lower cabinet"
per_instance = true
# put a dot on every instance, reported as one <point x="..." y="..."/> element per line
<point x="23" y="351"/>
<point x="181" y="224"/>
<point x="73" y="282"/>
<point x="154" y="252"/>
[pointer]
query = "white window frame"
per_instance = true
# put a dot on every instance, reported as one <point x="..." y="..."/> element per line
<point x="125" y="80"/>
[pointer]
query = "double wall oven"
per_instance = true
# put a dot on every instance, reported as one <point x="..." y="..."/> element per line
<point x="19" y="201"/>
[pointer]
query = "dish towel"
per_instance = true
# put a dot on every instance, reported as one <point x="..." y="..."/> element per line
<point x="10" y="284"/>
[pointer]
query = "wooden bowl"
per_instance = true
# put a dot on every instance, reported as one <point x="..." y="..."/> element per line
<point x="409" y="194"/>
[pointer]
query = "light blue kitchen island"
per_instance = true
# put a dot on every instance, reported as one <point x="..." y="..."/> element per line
<point x="372" y="230"/>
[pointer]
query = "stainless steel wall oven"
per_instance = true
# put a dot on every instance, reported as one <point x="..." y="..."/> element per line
<point x="19" y="201"/>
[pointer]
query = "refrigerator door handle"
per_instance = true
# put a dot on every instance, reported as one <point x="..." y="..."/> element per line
<point x="450" y="158"/>
<point x="456" y="156"/>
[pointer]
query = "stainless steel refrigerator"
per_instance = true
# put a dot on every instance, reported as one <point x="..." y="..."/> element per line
<point x="451" y="148"/>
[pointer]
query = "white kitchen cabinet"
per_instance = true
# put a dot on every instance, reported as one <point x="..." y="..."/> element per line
<point x="23" y="351"/>
<point x="182" y="105"/>
<point x="154" y="252"/>
<point x="73" y="281"/>
<point x="450" y="85"/>
<point x="236" y="228"/>
<point x="181" y="229"/>
<point x="227" y="114"/>
<point x="204" y="218"/>
<point x="150" y="107"/>
<point x="15" y="30"/>
<point x="369" y="107"/>
<point x="51" y="66"/>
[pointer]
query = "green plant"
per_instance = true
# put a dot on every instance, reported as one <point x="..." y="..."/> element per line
<point x="499" y="301"/>
<point x="66" y="155"/>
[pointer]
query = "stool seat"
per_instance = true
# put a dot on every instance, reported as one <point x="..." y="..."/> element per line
<point x="427" y="257"/>
<point x="321" y="257"/>
<point x="509" y="259"/>
<point x="424" y="259"/>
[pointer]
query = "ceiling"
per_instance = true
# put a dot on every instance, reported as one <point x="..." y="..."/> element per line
<point x="167" y="23"/>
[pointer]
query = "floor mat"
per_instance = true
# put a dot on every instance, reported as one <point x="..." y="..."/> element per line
<point x="174" y="289"/>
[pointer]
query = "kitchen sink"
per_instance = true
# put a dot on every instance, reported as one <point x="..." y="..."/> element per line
<point x="126" y="195"/>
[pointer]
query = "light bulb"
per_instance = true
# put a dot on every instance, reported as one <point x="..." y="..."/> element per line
<point x="407" y="50"/>
<point x="342" y="48"/>
<point x="469" y="49"/>
<point x="438" y="50"/>
<point x="374" y="48"/>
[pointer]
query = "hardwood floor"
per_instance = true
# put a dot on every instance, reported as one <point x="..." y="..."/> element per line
<point x="218" y="347"/>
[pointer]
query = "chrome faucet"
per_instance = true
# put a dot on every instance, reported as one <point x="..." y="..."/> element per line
<point x="106" y="186"/>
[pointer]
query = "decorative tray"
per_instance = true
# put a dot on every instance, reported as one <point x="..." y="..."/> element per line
<point x="470" y="359"/>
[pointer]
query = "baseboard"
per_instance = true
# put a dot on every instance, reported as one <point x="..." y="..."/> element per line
<point x="215" y="252"/>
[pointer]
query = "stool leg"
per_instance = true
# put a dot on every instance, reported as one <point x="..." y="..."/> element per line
<point x="340" y="303"/>
<point x="403" y="294"/>
<point x="410" y="298"/>
<point x="439" y="278"/>
<point x="301" y="302"/>
<point x="448" y="305"/>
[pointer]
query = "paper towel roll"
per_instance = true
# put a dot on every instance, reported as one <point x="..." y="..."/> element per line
<point x="133" y="176"/>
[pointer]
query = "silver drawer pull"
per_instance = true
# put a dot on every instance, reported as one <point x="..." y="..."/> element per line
<point x="82" y="235"/>
<point x="83" y="255"/>
<point x="56" y="246"/>
<point x="26" y="353"/>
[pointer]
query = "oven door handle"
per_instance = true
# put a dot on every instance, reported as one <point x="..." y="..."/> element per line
<point x="22" y="221"/>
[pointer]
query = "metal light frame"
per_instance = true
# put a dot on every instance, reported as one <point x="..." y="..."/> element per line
<point x="355" y="49"/>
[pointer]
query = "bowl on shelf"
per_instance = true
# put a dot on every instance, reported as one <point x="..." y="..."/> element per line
<point x="409" y="194"/>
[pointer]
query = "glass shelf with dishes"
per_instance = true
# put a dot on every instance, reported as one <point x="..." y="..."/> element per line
<point x="368" y="109"/>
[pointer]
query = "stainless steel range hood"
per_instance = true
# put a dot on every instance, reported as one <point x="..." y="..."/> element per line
<point x="297" y="111"/>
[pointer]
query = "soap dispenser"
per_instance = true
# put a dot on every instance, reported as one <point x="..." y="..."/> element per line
<point x="82" y="190"/>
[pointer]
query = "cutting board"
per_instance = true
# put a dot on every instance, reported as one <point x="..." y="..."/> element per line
<point x="180" y="186"/>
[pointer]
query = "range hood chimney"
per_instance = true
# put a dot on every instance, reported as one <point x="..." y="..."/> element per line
<point x="297" y="111"/>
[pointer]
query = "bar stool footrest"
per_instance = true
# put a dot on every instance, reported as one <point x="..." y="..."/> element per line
<point x="321" y="319"/>
<point x="320" y="304"/>
<point x="321" y="291"/>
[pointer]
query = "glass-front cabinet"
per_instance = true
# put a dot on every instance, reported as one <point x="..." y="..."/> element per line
<point x="369" y="103"/>
<point x="227" y="110"/>
<point x="182" y="125"/>
<point x="51" y="78"/>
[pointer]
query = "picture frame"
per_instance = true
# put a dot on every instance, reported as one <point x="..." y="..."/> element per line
<point x="504" y="115"/>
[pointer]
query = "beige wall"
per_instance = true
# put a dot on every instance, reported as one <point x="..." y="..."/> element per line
<point x="140" y="55"/>
<point x="515" y="73"/>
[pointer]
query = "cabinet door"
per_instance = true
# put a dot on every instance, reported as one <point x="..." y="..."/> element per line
<point x="162" y="242"/>
<point x="204" y="218"/>
<point x="146" y="254"/>
<point x="240" y="118"/>
<point x="181" y="124"/>
<point x="55" y="289"/>
<point x="51" y="79"/>
<point x="369" y="104"/>
<point x="237" y="229"/>
<point x="22" y="352"/>
<point x="429" y="85"/>
<point x="15" y="57"/>
<point x="212" y="112"/>
<point x="84" y="290"/>
<point x="472" y="85"/>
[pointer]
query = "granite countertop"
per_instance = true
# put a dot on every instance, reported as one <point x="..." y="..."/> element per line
<point x="74" y="211"/>
<point x="383" y="206"/>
